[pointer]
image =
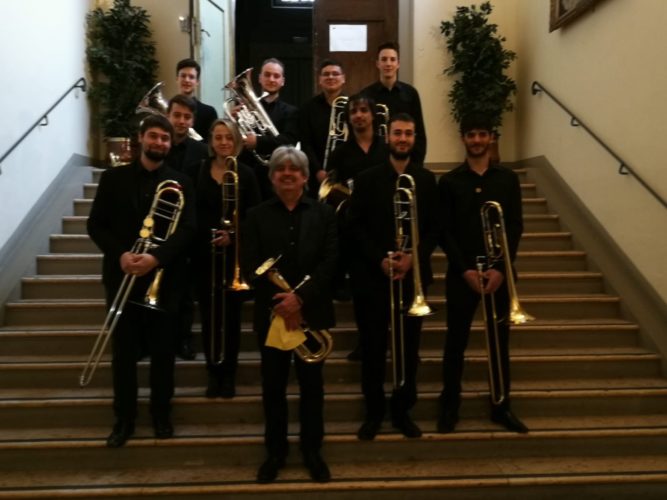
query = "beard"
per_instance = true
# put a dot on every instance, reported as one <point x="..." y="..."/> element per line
<point x="154" y="155"/>
<point x="399" y="155"/>
<point x="476" y="152"/>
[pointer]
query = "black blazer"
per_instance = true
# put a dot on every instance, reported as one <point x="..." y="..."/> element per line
<point x="205" y="115"/>
<point x="264" y="236"/>
<point x="116" y="218"/>
<point x="371" y="218"/>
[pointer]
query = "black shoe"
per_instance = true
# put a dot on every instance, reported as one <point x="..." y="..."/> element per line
<point x="369" y="430"/>
<point x="186" y="350"/>
<point x="121" y="432"/>
<point x="227" y="386"/>
<point x="447" y="421"/>
<point x="319" y="471"/>
<point x="407" y="427"/>
<point x="508" y="420"/>
<point x="213" y="387"/>
<point x="268" y="471"/>
<point x="163" y="427"/>
<point x="355" y="354"/>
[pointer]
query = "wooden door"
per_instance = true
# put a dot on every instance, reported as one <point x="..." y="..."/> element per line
<point x="381" y="20"/>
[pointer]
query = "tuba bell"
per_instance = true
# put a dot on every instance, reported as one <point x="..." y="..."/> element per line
<point x="154" y="103"/>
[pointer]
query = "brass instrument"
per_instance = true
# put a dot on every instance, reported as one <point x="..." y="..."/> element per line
<point x="338" y="130"/>
<point x="245" y="109"/>
<point x="406" y="228"/>
<point x="382" y="112"/>
<point x="321" y="338"/>
<point x="154" y="103"/>
<point x="230" y="192"/>
<point x="497" y="248"/>
<point x="159" y="224"/>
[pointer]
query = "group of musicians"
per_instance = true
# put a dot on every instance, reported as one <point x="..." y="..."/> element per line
<point x="250" y="212"/>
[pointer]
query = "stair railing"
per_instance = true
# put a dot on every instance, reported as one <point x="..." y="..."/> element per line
<point x="43" y="120"/>
<point x="624" y="168"/>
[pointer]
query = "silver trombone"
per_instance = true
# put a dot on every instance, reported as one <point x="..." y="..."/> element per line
<point x="406" y="230"/>
<point x="165" y="211"/>
<point x="497" y="249"/>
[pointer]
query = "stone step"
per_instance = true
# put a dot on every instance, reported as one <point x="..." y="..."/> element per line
<point x="540" y="364"/>
<point x="23" y="416"/>
<point x="90" y="286"/>
<point x="227" y="465"/>
<point x="93" y="312"/>
<point x="26" y="344"/>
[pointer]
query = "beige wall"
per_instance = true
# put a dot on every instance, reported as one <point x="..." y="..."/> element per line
<point x="608" y="67"/>
<point x="172" y="44"/>
<point x="430" y="58"/>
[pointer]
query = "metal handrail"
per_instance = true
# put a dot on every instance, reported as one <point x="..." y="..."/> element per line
<point x="43" y="120"/>
<point x="624" y="168"/>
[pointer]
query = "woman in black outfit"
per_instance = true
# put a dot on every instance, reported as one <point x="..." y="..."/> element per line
<point x="215" y="241"/>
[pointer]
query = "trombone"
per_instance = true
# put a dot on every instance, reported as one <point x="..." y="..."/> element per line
<point x="230" y="193"/>
<point x="164" y="214"/>
<point x="497" y="249"/>
<point x="321" y="338"/>
<point x="406" y="230"/>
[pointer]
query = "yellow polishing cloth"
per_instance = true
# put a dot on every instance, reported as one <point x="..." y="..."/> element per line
<point x="282" y="338"/>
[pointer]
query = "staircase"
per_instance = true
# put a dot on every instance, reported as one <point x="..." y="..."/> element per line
<point x="592" y="396"/>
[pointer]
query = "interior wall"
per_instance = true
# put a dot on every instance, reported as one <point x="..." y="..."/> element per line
<point x="429" y="59"/>
<point x="43" y="55"/>
<point x="607" y="67"/>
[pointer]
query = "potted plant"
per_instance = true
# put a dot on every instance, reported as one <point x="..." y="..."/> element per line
<point x="122" y="64"/>
<point x="479" y="62"/>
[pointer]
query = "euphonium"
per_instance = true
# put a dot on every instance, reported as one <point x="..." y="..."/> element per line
<point x="246" y="110"/>
<point x="406" y="228"/>
<point x="322" y="338"/>
<point x="154" y="103"/>
<point x="497" y="248"/>
<point x="158" y="225"/>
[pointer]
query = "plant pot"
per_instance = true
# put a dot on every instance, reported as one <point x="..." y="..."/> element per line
<point x="119" y="151"/>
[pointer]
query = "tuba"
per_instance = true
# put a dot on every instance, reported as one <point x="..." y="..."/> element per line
<point x="497" y="248"/>
<point x="154" y="103"/>
<point x="245" y="109"/>
<point x="406" y="227"/>
<point x="318" y="343"/>
<point x="158" y="225"/>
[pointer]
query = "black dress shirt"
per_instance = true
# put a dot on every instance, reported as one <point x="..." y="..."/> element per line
<point x="205" y="115"/>
<point x="462" y="193"/>
<point x="314" y="116"/>
<point x="348" y="159"/>
<point x="402" y="98"/>
<point x="185" y="153"/>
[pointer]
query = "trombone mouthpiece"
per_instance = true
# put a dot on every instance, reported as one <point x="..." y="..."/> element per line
<point x="266" y="265"/>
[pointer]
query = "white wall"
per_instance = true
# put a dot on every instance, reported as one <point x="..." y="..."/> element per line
<point x="608" y="67"/>
<point x="430" y="58"/>
<point x="43" y="53"/>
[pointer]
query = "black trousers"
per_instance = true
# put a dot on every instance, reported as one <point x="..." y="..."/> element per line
<point x="462" y="303"/>
<point x="139" y="332"/>
<point x="275" y="372"/>
<point x="372" y="310"/>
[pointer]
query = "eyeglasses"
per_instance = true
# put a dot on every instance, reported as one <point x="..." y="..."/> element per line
<point x="327" y="74"/>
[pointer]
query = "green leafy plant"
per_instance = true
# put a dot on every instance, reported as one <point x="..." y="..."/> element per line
<point x="121" y="58"/>
<point x="479" y="62"/>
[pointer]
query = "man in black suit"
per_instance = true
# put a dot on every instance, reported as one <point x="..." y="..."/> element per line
<point x="184" y="153"/>
<point x="462" y="192"/>
<point x="372" y="223"/>
<point x="303" y="232"/>
<point x="188" y="72"/>
<point x="124" y="198"/>
<point x="282" y="115"/>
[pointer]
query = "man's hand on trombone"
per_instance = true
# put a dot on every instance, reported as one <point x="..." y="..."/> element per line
<point x="492" y="279"/>
<point x="397" y="264"/>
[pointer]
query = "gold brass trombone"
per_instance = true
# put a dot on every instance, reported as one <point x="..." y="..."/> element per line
<point x="497" y="249"/>
<point x="406" y="227"/>
<point x="321" y="338"/>
<point x="159" y="224"/>
<point x="229" y="221"/>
